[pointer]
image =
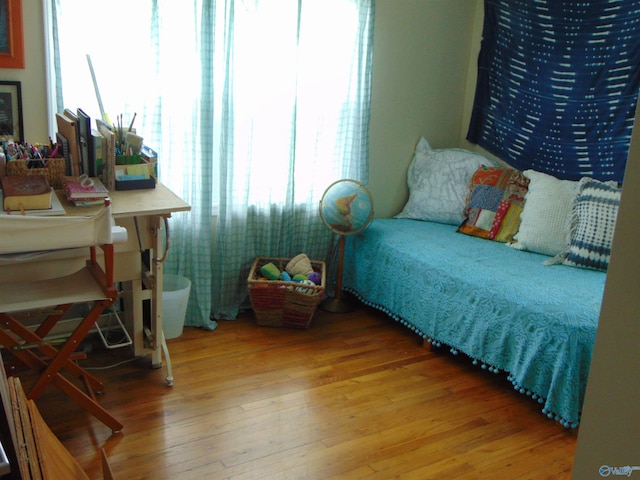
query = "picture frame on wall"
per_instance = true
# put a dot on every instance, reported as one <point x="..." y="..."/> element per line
<point x="11" y="34"/>
<point x="11" y="123"/>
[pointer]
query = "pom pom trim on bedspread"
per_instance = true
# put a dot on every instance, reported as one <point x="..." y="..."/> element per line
<point x="493" y="369"/>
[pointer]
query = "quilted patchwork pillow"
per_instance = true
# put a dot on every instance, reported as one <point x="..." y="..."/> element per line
<point x="593" y="222"/>
<point x="496" y="199"/>
<point x="438" y="181"/>
<point x="545" y="226"/>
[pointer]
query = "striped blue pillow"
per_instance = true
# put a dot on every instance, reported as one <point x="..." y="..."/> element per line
<point x="593" y="222"/>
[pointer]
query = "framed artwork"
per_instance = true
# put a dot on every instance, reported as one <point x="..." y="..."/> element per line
<point x="11" y="34"/>
<point x="11" y="127"/>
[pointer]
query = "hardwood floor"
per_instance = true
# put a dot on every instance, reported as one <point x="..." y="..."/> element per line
<point x="355" y="396"/>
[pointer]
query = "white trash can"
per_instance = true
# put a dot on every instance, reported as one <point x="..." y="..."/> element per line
<point x="175" y="297"/>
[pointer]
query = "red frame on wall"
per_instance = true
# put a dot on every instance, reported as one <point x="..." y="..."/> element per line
<point x="14" y="56"/>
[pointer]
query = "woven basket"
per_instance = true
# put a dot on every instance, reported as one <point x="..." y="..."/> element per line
<point x="277" y="303"/>
<point x="54" y="170"/>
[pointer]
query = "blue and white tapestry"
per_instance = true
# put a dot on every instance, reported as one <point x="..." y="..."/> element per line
<point x="558" y="85"/>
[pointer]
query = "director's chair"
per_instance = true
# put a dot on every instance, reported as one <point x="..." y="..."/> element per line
<point x="40" y="238"/>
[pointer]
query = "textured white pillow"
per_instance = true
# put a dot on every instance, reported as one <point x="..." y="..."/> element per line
<point x="545" y="226"/>
<point x="438" y="183"/>
<point x="594" y="216"/>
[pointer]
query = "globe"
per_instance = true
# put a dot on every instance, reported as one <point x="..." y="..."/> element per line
<point x="346" y="207"/>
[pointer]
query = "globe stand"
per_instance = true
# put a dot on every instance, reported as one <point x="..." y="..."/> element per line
<point x="346" y="208"/>
<point x="338" y="304"/>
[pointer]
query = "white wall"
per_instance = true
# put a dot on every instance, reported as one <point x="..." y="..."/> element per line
<point x="32" y="77"/>
<point x="419" y="87"/>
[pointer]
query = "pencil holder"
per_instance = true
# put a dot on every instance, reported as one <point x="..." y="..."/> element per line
<point x="54" y="170"/>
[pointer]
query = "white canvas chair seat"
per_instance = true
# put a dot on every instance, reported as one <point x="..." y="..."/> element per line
<point x="26" y="237"/>
<point x="75" y="288"/>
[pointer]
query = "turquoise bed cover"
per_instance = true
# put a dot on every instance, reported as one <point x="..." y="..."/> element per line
<point x="501" y="306"/>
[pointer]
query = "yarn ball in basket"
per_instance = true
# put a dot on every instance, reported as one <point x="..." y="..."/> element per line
<point x="299" y="265"/>
<point x="308" y="291"/>
<point x="315" y="277"/>
<point x="270" y="271"/>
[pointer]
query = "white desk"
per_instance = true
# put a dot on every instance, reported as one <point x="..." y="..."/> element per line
<point x="138" y="262"/>
<point x="150" y="209"/>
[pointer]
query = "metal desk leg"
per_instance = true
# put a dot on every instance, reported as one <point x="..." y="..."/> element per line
<point x="167" y="359"/>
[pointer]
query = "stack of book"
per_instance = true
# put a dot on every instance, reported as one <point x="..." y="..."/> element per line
<point x="86" y="192"/>
<point x="29" y="195"/>
<point x="23" y="192"/>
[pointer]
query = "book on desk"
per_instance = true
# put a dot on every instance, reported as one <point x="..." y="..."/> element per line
<point x="43" y="201"/>
<point x="85" y="188"/>
<point x="68" y="130"/>
<point x="26" y="192"/>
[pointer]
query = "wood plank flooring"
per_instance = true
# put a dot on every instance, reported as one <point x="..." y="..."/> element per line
<point x="355" y="396"/>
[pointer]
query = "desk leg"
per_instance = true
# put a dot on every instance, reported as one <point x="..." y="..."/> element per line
<point x="143" y="307"/>
<point x="156" y="297"/>
<point x="157" y="271"/>
<point x="167" y="358"/>
<point x="134" y="314"/>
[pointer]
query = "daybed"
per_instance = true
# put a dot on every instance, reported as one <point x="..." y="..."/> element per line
<point x="506" y="308"/>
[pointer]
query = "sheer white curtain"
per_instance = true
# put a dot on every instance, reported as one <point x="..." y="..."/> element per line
<point x="253" y="105"/>
<point x="295" y="117"/>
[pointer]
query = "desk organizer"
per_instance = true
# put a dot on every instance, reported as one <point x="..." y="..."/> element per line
<point x="134" y="165"/>
<point x="138" y="184"/>
<point x="278" y="303"/>
<point x="54" y="170"/>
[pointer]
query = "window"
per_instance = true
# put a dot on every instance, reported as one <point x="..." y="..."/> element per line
<point x="171" y="64"/>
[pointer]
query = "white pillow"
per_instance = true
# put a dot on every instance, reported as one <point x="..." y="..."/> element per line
<point x="545" y="227"/>
<point x="438" y="183"/>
